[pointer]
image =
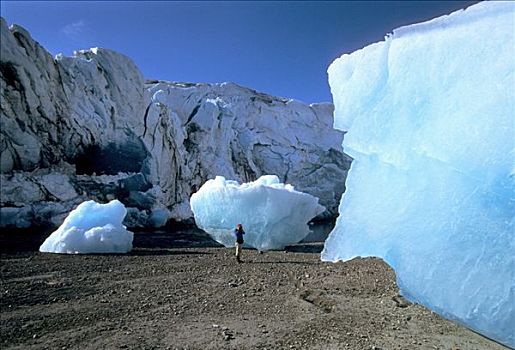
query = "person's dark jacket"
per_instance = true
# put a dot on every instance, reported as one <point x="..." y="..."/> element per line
<point x="239" y="235"/>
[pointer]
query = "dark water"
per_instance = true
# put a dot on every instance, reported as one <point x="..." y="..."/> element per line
<point x="22" y="240"/>
<point x="29" y="240"/>
<point x="319" y="231"/>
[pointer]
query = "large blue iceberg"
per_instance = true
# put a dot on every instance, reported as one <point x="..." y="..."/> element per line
<point x="430" y="114"/>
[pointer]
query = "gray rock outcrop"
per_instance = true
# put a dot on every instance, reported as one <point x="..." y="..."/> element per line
<point x="90" y="127"/>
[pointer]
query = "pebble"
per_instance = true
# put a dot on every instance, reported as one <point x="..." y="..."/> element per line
<point x="227" y="334"/>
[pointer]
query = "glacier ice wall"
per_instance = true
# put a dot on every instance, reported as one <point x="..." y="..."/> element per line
<point x="273" y="214"/>
<point x="93" y="122"/>
<point x="430" y="114"/>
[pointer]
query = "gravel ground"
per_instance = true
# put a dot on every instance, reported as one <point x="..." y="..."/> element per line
<point x="175" y="292"/>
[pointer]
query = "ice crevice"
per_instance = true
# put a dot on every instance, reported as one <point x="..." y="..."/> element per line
<point x="193" y="113"/>
<point x="145" y="117"/>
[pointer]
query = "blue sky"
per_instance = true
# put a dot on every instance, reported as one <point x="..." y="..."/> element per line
<point x="280" y="48"/>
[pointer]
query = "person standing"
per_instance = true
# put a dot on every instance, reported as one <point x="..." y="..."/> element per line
<point x="238" y="233"/>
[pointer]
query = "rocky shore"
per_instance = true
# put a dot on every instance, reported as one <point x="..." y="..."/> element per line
<point x="183" y="291"/>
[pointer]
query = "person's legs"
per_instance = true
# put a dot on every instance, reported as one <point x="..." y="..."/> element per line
<point x="238" y="251"/>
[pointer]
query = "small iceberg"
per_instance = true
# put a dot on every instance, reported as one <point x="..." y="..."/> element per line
<point x="91" y="228"/>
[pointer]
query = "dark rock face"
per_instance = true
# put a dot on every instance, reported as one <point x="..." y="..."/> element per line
<point x="90" y="127"/>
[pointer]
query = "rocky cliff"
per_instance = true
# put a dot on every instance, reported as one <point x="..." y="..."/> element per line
<point x="90" y="127"/>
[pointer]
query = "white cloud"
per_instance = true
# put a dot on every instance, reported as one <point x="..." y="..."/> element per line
<point x="75" y="30"/>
